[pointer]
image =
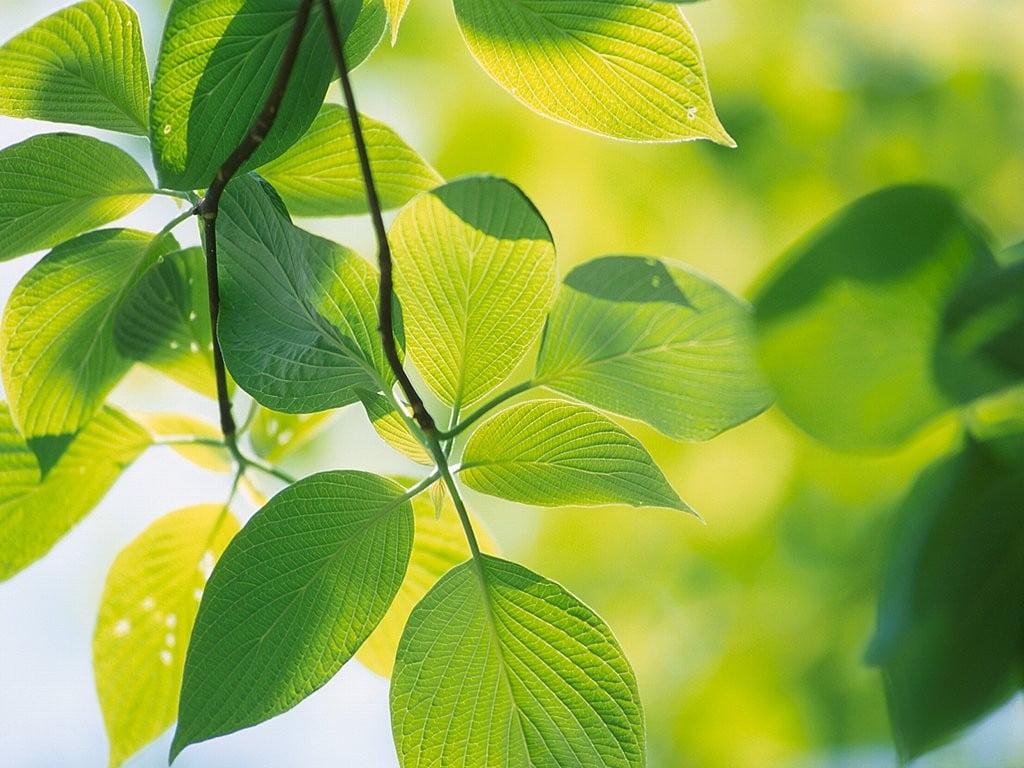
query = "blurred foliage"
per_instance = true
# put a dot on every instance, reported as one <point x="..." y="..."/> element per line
<point x="748" y="634"/>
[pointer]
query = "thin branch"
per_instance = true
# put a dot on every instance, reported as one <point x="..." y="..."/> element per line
<point x="209" y="206"/>
<point x="385" y="310"/>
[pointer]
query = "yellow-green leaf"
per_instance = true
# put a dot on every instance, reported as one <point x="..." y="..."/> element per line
<point x="146" y="614"/>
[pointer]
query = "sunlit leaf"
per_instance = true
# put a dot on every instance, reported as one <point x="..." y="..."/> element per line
<point x="275" y="435"/>
<point x="652" y="340"/>
<point x="439" y="546"/>
<point x="60" y="359"/>
<point x="218" y="62"/>
<point x="57" y="185"/>
<point x="629" y="69"/>
<point x="149" y="604"/>
<point x="171" y="426"/>
<point x="475" y="270"/>
<point x="36" y="513"/>
<point x="320" y="174"/>
<point x="554" y="453"/>
<point x="295" y="594"/>
<point x="950" y="617"/>
<point x="499" y="666"/>
<point x="84" y="64"/>
<point x="392" y="429"/>
<point x="164" y="321"/>
<point x="396" y="10"/>
<point x="850" y="323"/>
<point x="298" y="318"/>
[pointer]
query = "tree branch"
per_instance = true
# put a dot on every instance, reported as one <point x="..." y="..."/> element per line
<point x="385" y="309"/>
<point x="209" y="206"/>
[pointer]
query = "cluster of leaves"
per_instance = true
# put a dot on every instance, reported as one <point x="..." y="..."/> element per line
<point x="888" y="316"/>
<point x="491" y="663"/>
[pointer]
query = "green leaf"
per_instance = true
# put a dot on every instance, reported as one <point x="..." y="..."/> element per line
<point x="146" y="614"/>
<point x="60" y="360"/>
<point x="293" y="597"/>
<point x="216" y="458"/>
<point x="392" y="429"/>
<point x="58" y="185"/>
<point x="275" y="435"/>
<point x="84" y="64"/>
<point x="218" y="62"/>
<point x="298" y="318"/>
<point x="850" y="323"/>
<point x="396" y="10"/>
<point x="950" y="616"/>
<point x="653" y="340"/>
<point x="620" y="68"/>
<point x="35" y="513"/>
<point x="499" y="666"/>
<point x="320" y="175"/>
<point x="164" y="321"/>
<point x="475" y="270"/>
<point x="439" y="546"/>
<point x="553" y="453"/>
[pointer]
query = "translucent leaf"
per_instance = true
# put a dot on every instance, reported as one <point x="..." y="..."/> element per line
<point x="439" y="546"/>
<point x="178" y="425"/>
<point x="218" y="62"/>
<point x="84" y="64"/>
<point x="392" y="428"/>
<point x="320" y="175"/>
<point x="655" y="341"/>
<point x="629" y="69"/>
<point x="295" y="594"/>
<point x="58" y="185"/>
<point x="36" y="513"/>
<point x="298" y="321"/>
<point x="475" y="270"/>
<point x="275" y="435"/>
<point x="164" y="321"/>
<point x="396" y="10"/>
<point x="950" y="617"/>
<point x="499" y="666"/>
<point x="850" y="322"/>
<point x="60" y="359"/>
<point x="553" y="453"/>
<point x="149" y="604"/>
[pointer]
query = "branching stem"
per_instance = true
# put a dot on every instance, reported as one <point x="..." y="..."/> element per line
<point x="385" y="304"/>
<point x="208" y="207"/>
<point x="487" y="407"/>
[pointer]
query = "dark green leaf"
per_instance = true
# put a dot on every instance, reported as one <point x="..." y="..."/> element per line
<point x="294" y="595"/>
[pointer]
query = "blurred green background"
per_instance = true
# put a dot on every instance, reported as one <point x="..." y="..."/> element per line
<point x="748" y="632"/>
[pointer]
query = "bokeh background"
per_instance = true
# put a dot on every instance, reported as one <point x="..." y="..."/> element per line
<point x="747" y="633"/>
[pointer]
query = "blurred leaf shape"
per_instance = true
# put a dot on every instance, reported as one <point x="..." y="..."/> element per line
<point x="275" y="435"/>
<point x="57" y="185"/>
<point x="36" y="511"/>
<point x="653" y="340"/>
<point x="620" y="68"/>
<point x="853" y="330"/>
<point x="146" y="614"/>
<point x="950" y="616"/>
<point x="169" y="426"/>
<point x="319" y="175"/>
<point x="292" y="598"/>
<point x="84" y="64"/>
<point x="535" y="678"/>
<point x="218" y="62"/>
<point x="475" y="271"/>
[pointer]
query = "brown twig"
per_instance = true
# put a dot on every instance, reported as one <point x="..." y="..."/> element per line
<point x="385" y="310"/>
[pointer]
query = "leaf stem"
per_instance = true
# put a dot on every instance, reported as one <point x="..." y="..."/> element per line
<point x="270" y="470"/>
<point x="208" y="207"/>
<point x="385" y="306"/>
<point x="490" y="405"/>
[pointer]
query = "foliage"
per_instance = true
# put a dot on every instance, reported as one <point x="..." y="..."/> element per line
<point x="887" y="317"/>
